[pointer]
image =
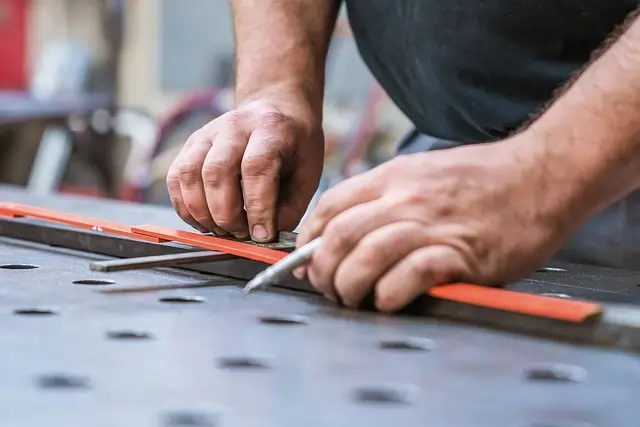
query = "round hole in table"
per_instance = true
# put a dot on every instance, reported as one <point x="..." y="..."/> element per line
<point x="19" y="266"/>
<point x="182" y="300"/>
<point x="34" y="311"/>
<point x="94" y="282"/>
<point x="408" y="344"/>
<point x="283" y="320"/>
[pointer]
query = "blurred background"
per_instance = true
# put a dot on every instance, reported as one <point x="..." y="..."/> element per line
<point x="97" y="96"/>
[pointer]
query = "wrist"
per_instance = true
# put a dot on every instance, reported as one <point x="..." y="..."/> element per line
<point x="293" y="91"/>
<point x="291" y="98"/>
<point x="597" y="166"/>
<point x="558" y="181"/>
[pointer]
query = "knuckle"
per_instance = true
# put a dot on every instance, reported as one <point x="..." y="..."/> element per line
<point x="256" y="206"/>
<point x="195" y="138"/>
<point x="227" y="219"/>
<point x="417" y="267"/>
<point x="410" y="197"/>
<point x="204" y="222"/>
<point x="336" y="233"/>
<point x="225" y="223"/>
<point x="189" y="173"/>
<point x="259" y="164"/>
<point x="272" y="118"/>
<point x="233" y="118"/>
<point x="213" y="172"/>
<point x="325" y="204"/>
<point x="200" y="214"/>
<point x="318" y="276"/>
<point x="173" y="180"/>
<point x="372" y="252"/>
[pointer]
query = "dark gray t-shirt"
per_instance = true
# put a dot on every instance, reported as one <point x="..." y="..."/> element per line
<point x="467" y="71"/>
<point x="475" y="70"/>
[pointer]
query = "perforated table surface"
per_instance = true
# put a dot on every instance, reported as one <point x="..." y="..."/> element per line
<point x="75" y="352"/>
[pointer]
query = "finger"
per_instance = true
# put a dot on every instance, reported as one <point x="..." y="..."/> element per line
<point x="347" y="194"/>
<point x="221" y="178"/>
<point x="175" y="195"/>
<point x="191" y="185"/>
<point x="341" y="236"/>
<point x="260" y="170"/>
<point x="414" y="274"/>
<point x="373" y="256"/>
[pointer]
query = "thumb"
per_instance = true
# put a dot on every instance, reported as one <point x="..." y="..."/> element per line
<point x="417" y="272"/>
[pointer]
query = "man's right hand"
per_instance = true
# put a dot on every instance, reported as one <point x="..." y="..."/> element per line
<point x="266" y="156"/>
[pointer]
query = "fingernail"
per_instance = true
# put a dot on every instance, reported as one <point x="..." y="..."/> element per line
<point x="259" y="233"/>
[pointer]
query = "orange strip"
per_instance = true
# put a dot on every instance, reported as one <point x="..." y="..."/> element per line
<point x="500" y="299"/>
<point x="6" y="213"/>
<point x="496" y="298"/>
<point x="529" y="304"/>
<point x="244" y="250"/>
<point x="16" y="210"/>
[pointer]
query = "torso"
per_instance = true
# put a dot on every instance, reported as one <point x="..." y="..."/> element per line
<point x="475" y="70"/>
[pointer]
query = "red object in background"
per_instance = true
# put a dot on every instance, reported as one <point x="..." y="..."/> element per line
<point x="13" y="44"/>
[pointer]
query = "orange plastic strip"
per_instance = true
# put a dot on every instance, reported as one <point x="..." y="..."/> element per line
<point x="244" y="250"/>
<point x="501" y="299"/>
<point x="6" y="213"/>
<point x="16" y="210"/>
<point x="529" y="304"/>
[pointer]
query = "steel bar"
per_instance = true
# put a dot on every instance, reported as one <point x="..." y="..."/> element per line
<point x="95" y="242"/>
<point x="222" y="281"/>
<point x="582" y="282"/>
<point x="618" y="326"/>
<point x="618" y="332"/>
<point x="567" y="310"/>
<point x="155" y="261"/>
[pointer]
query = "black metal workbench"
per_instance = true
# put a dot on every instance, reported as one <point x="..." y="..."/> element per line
<point x="74" y="355"/>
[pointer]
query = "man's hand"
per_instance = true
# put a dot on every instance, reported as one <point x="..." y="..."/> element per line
<point x="265" y="156"/>
<point x="479" y="214"/>
<point x="486" y="214"/>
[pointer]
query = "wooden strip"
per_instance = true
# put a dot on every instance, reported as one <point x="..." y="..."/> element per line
<point x="255" y="253"/>
<point x="17" y="210"/>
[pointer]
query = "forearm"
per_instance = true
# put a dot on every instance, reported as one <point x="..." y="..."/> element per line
<point x="591" y="133"/>
<point x="282" y="44"/>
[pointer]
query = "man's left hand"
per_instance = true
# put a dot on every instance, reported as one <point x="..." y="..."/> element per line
<point x="485" y="214"/>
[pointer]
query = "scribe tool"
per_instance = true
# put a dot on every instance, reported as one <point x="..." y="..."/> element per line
<point x="272" y="274"/>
